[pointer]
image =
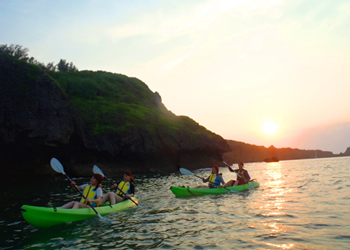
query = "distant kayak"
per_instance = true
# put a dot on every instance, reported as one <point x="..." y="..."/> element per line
<point x="50" y="216"/>
<point x="273" y="159"/>
<point x="187" y="191"/>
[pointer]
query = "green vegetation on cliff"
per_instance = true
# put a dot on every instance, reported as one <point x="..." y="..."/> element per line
<point x="85" y="116"/>
<point x="114" y="103"/>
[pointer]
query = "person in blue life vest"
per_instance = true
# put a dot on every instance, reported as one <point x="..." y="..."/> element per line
<point x="124" y="190"/>
<point x="92" y="192"/>
<point x="242" y="176"/>
<point x="214" y="179"/>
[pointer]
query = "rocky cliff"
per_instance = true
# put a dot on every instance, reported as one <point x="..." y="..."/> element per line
<point x="41" y="117"/>
<point x="346" y="153"/>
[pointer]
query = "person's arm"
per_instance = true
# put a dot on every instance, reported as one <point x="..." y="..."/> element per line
<point x="114" y="186"/>
<point x="78" y="187"/>
<point x="220" y="179"/>
<point x="232" y="170"/>
<point x="132" y="191"/>
<point x="247" y="176"/>
<point x="116" y="189"/>
<point x="205" y="180"/>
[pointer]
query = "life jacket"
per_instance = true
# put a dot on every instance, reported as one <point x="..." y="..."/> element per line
<point x="242" y="174"/>
<point x="212" y="178"/>
<point x="213" y="181"/>
<point x="90" y="192"/>
<point x="123" y="188"/>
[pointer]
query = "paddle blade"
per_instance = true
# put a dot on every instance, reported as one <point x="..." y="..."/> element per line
<point x="57" y="166"/>
<point x="97" y="170"/>
<point x="186" y="171"/>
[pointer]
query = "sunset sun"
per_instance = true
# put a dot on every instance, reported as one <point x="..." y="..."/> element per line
<point x="269" y="128"/>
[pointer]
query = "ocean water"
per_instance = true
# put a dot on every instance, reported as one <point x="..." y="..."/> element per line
<point x="300" y="204"/>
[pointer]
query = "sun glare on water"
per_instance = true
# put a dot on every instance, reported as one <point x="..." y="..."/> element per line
<point x="269" y="128"/>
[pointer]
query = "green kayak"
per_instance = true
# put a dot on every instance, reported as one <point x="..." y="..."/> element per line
<point x="49" y="216"/>
<point x="186" y="191"/>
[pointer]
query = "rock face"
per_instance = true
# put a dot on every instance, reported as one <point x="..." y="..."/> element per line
<point x="346" y="153"/>
<point x="38" y="122"/>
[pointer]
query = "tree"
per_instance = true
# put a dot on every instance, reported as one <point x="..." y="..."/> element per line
<point x="32" y="60"/>
<point x="72" y="68"/>
<point x="51" y="66"/>
<point x="64" y="66"/>
<point x="16" y="51"/>
<point x="21" y="53"/>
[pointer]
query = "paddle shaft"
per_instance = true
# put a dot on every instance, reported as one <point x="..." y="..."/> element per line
<point x="197" y="176"/>
<point x="230" y="190"/>
<point x="120" y="190"/>
<point x="233" y="171"/>
<point x="223" y="187"/>
<point x="188" y="172"/>
<point x="239" y="176"/>
<point x="75" y="186"/>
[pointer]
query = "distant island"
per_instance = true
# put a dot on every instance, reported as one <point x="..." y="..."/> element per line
<point x="245" y="152"/>
<point x="272" y="159"/>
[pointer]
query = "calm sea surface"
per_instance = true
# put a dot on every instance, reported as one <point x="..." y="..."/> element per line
<point x="300" y="204"/>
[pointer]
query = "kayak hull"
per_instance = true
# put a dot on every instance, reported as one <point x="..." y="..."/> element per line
<point x="184" y="192"/>
<point x="50" y="216"/>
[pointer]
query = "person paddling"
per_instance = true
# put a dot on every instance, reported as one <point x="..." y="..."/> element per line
<point x="242" y="176"/>
<point x="124" y="190"/>
<point x="214" y="179"/>
<point x="92" y="192"/>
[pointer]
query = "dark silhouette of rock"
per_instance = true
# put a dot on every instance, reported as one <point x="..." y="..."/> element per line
<point x="244" y="152"/>
<point x="346" y="153"/>
<point x="272" y="159"/>
<point x="38" y="122"/>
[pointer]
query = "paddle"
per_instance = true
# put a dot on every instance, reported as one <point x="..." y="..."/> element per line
<point x="57" y="166"/>
<point x="97" y="170"/>
<point x="188" y="172"/>
<point x="233" y="171"/>
<point x="238" y="174"/>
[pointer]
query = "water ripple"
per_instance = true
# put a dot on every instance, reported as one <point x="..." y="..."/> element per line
<point x="300" y="204"/>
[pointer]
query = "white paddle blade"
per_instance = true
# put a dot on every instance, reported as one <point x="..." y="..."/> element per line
<point x="186" y="171"/>
<point x="97" y="170"/>
<point x="57" y="166"/>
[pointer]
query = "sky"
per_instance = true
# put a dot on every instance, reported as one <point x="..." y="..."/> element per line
<point x="230" y="65"/>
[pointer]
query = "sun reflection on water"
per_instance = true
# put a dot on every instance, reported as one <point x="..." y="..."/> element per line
<point x="274" y="200"/>
<point x="283" y="246"/>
